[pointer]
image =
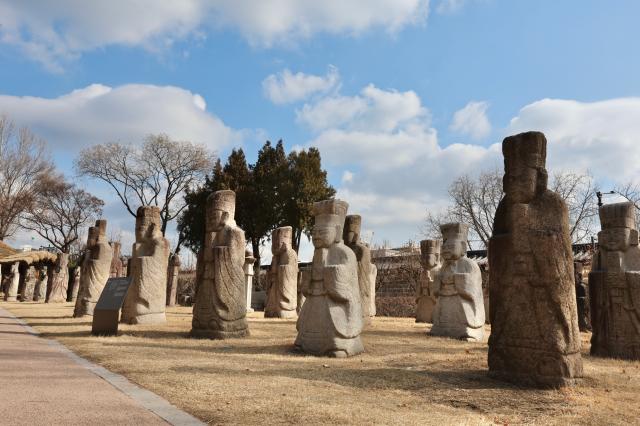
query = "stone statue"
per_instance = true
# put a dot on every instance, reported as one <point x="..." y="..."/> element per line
<point x="147" y="296"/>
<point x="367" y="271"/>
<point x="11" y="294"/>
<point x="29" y="286"/>
<point x="304" y="275"/>
<point x="96" y="268"/>
<point x="282" y="278"/>
<point x="116" y="263"/>
<point x="58" y="280"/>
<point x="614" y="285"/>
<point x="220" y="309"/>
<point x="40" y="291"/>
<point x="459" y="311"/>
<point x="581" y="297"/>
<point x="535" y="338"/>
<point x="330" y="320"/>
<point x="172" y="278"/>
<point x="249" y="261"/>
<point x="75" y="283"/>
<point x="430" y="261"/>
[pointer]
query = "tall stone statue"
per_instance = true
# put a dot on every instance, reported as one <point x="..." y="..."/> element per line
<point x="147" y="296"/>
<point x="220" y="309"/>
<point x="58" y="280"/>
<point x="459" y="311"/>
<point x="430" y="261"/>
<point x="367" y="271"/>
<point x="96" y="268"/>
<point x="11" y="294"/>
<point x="330" y="320"/>
<point x="535" y="338"/>
<point x="28" y="289"/>
<point x="75" y="283"/>
<point x="40" y="291"/>
<point x="282" y="278"/>
<point x="116" y="270"/>
<point x="249" y="261"/>
<point x="614" y="285"/>
<point x="172" y="278"/>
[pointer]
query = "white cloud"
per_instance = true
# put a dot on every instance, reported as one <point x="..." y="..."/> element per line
<point x="53" y="32"/>
<point x="472" y="121"/>
<point x="599" y="136"/>
<point x="373" y="110"/>
<point x="286" y="87"/>
<point x="449" y="6"/>
<point x="98" y="114"/>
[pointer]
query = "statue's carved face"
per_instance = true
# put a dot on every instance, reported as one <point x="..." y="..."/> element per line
<point x="144" y="227"/>
<point x="429" y="260"/>
<point x="216" y="220"/>
<point x="353" y="233"/>
<point x="615" y="239"/>
<point x="279" y="244"/>
<point x="324" y="235"/>
<point x="453" y="248"/>
<point x="519" y="183"/>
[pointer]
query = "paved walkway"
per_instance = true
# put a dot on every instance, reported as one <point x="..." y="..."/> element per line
<point x="42" y="382"/>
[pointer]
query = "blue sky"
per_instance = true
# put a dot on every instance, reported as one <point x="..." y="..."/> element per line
<point x="400" y="96"/>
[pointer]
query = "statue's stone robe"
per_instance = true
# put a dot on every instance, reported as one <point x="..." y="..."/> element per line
<point x="459" y="310"/>
<point x="220" y="307"/>
<point x="330" y="320"/>
<point x="59" y="280"/>
<point x="96" y="269"/>
<point x="146" y="299"/>
<point x="282" y="297"/>
<point x="614" y="289"/>
<point x="534" y="337"/>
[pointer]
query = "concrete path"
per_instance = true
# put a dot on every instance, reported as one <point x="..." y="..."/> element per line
<point x="42" y="382"/>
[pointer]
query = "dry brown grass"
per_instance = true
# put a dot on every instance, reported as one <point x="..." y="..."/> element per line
<point x="405" y="377"/>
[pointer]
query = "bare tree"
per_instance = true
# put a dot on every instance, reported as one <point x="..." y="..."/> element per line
<point x="23" y="163"/>
<point x="474" y="201"/>
<point x="60" y="211"/>
<point x="155" y="174"/>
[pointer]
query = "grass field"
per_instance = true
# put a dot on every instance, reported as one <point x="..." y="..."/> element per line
<point x="405" y="377"/>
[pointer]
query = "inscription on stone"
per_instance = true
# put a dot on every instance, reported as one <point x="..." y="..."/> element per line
<point x="107" y="311"/>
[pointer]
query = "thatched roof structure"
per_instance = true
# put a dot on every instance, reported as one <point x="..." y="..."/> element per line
<point x="5" y="250"/>
<point x="29" y="257"/>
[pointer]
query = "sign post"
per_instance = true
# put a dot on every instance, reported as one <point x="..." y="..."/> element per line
<point x="106" y="314"/>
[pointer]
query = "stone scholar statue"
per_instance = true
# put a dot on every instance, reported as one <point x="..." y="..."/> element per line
<point x="367" y="271"/>
<point x="147" y="295"/>
<point x="614" y="285"/>
<point x="330" y="320"/>
<point x="95" y="269"/>
<point x="581" y="297"/>
<point x="535" y="338"/>
<point x="220" y="309"/>
<point x="173" y="274"/>
<point x="459" y="311"/>
<point x="58" y="281"/>
<point x="430" y="261"/>
<point x="282" y="278"/>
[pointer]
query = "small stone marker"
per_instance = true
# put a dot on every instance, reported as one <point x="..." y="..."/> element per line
<point x="107" y="311"/>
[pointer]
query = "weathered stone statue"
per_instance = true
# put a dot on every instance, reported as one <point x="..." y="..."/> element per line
<point x="147" y="296"/>
<point x="220" y="309"/>
<point x="40" y="291"/>
<point x="282" y="278"/>
<point x="116" y="270"/>
<point x="330" y="320"/>
<point x="459" y="311"/>
<point x="96" y="268"/>
<point x="11" y="294"/>
<point x="430" y="261"/>
<point x="581" y="297"/>
<point x="614" y="285"/>
<point x="75" y="283"/>
<point x="367" y="271"/>
<point x="58" y="280"/>
<point x="304" y="275"/>
<point x="535" y="338"/>
<point x="172" y="279"/>
<point x="249" y="260"/>
<point x="29" y="286"/>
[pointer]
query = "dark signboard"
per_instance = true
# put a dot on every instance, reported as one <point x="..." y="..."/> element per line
<point x="106" y="314"/>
